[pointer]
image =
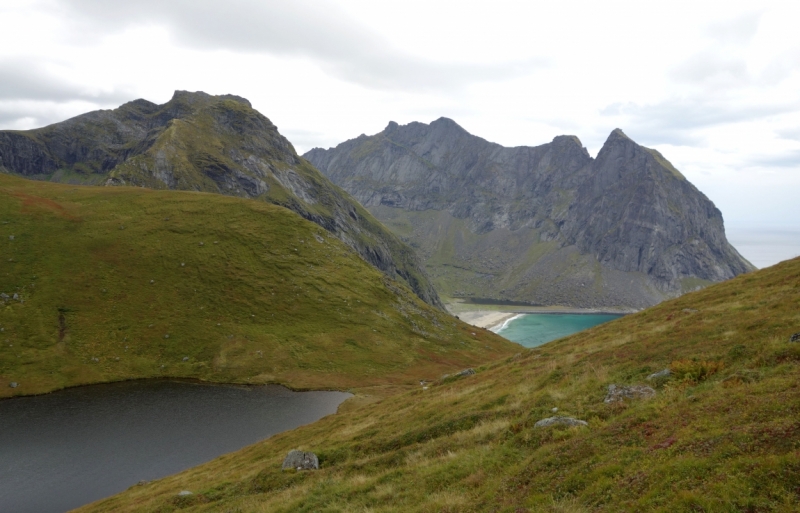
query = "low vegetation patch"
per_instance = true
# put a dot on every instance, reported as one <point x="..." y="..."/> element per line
<point x="720" y="434"/>
<point x="102" y="284"/>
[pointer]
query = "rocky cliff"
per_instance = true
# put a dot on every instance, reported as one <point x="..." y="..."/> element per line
<point x="205" y="143"/>
<point x="546" y="224"/>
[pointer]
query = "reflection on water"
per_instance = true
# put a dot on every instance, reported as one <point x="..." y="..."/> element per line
<point x="75" y="446"/>
<point x="531" y="330"/>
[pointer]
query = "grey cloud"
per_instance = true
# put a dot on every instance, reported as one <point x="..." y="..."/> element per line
<point x="304" y="140"/>
<point x="24" y="80"/>
<point x="675" y="121"/>
<point x="18" y="116"/>
<point x="710" y="67"/>
<point x="788" y="159"/>
<point x="738" y="30"/>
<point x="792" y="134"/>
<point x="315" y="30"/>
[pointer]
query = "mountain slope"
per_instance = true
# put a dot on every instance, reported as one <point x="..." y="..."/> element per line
<point x="720" y="434"/>
<point x="108" y="283"/>
<point x="205" y="143"/>
<point x="545" y="224"/>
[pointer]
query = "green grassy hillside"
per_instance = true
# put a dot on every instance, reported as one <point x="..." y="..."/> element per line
<point x="120" y="283"/>
<point x="721" y="434"/>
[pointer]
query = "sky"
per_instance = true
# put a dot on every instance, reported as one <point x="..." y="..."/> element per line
<point x="714" y="86"/>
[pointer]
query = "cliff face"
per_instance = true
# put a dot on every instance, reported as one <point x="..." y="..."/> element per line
<point x="545" y="224"/>
<point x="207" y="143"/>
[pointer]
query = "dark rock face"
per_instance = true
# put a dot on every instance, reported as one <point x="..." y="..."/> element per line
<point x="545" y="224"/>
<point x="207" y="143"/>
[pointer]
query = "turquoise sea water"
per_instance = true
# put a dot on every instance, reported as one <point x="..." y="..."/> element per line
<point x="531" y="330"/>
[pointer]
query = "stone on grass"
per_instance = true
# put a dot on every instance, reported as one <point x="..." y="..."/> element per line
<point x="562" y="421"/>
<point x="299" y="460"/>
<point x="13" y="384"/>
<point x="619" y="393"/>
<point x="185" y="359"/>
<point x="795" y="337"/>
<point x="184" y="493"/>
<point x="466" y="372"/>
<point x="660" y="374"/>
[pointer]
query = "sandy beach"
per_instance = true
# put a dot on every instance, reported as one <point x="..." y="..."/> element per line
<point x="485" y="318"/>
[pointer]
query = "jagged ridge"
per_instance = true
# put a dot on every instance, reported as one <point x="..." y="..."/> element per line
<point x="546" y="224"/>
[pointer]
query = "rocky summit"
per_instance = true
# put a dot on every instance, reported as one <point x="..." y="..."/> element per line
<point x="199" y="142"/>
<point x="546" y="225"/>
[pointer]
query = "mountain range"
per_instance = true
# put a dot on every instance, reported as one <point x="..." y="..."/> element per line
<point x="200" y="142"/>
<point x="547" y="224"/>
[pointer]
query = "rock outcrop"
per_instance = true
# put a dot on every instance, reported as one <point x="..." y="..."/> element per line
<point x="206" y="143"/>
<point x="617" y="393"/>
<point x="560" y="421"/>
<point x="299" y="460"/>
<point x="545" y="225"/>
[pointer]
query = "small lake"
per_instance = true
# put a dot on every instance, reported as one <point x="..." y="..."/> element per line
<point x="65" y="449"/>
<point x="531" y="330"/>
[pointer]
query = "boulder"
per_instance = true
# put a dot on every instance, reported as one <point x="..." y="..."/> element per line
<point x="795" y="337"/>
<point x="660" y="374"/>
<point x="466" y="372"/>
<point x="563" y="421"/>
<point x="620" y="393"/>
<point x="300" y="460"/>
<point x="13" y="384"/>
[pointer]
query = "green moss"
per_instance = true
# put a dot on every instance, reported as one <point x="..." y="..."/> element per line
<point x="716" y="444"/>
<point x="121" y="283"/>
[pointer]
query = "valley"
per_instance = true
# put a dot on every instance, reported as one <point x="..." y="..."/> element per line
<point x="188" y="241"/>
<point x="719" y="434"/>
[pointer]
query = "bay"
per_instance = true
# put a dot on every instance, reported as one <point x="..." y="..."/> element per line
<point x="531" y="330"/>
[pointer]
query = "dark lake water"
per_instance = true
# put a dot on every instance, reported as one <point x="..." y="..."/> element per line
<point x="65" y="449"/>
<point x="531" y="330"/>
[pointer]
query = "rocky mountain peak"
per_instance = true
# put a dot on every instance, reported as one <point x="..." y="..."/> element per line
<point x="546" y="224"/>
<point x="200" y="142"/>
<point x="617" y="135"/>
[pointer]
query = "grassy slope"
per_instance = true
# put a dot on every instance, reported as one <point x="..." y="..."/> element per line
<point x="245" y="291"/>
<point x="729" y="442"/>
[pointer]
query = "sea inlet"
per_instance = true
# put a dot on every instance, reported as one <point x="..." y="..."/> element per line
<point x="531" y="330"/>
<point x="62" y="450"/>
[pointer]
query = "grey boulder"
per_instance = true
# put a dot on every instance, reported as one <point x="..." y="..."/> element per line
<point x="563" y="421"/>
<point x="299" y="460"/>
<point x="660" y="374"/>
<point x="620" y="393"/>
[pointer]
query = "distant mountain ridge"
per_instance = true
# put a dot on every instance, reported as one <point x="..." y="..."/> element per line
<point x="546" y="224"/>
<point x="200" y="142"/>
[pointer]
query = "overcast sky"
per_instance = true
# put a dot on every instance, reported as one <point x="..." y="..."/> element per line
<point x="714" y="86"/>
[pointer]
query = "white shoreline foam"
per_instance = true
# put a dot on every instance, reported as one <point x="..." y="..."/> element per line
<point x="505" y="323"/>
